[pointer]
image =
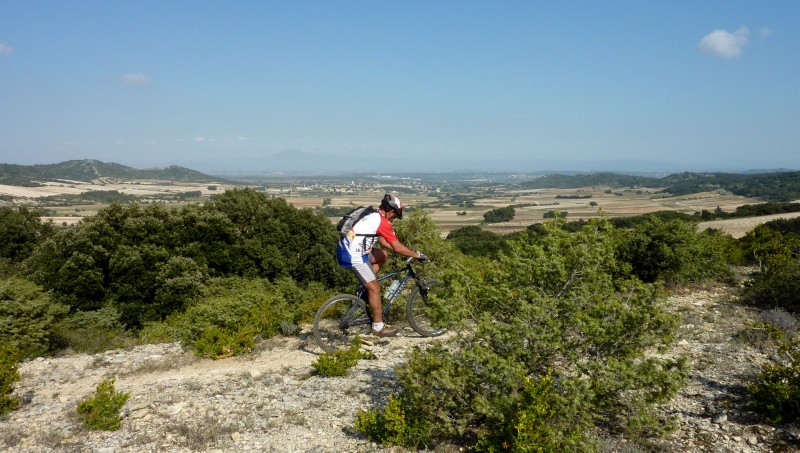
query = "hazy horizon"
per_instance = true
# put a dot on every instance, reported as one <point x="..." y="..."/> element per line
<point x="239" y="86"/>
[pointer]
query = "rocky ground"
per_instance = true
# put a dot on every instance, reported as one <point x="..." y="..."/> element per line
<point x="272" y="401"/>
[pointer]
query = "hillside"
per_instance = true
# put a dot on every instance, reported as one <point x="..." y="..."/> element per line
<point x="772" y="186"/>
<point x="88" y="170"/>
<point x="271" y="400"/>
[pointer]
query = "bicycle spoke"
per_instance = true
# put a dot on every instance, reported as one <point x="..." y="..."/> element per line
<point x="338" y="322"/>
<point x="423" y="307"/>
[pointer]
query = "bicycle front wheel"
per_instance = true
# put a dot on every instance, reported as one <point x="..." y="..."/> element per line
<point x="422" y="307"/>
<point x="339" y="320"/>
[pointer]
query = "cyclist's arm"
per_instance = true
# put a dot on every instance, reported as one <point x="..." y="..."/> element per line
<point x="398" y="247"/>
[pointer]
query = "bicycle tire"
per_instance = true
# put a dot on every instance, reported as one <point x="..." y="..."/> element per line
<point x="339" y="320"/>
<point x="418" y="306"/>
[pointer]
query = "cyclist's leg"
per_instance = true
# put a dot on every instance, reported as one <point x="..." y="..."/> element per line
<point x="377" y="259"/>
<point x="367" y="277"/>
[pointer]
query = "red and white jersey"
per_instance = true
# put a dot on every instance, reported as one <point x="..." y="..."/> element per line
<point x="355" y="247"/>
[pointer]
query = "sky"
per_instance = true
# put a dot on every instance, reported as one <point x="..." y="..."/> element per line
<point x="235" y="83"/>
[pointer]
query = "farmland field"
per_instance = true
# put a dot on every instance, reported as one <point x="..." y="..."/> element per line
<point x="451" y="204"/>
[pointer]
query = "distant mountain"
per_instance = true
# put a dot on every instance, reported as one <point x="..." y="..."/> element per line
<point x="303" y="163"/>
<point x="89" y="170"/>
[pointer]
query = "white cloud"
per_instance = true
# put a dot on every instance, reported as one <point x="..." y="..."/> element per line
<point x="724" y="44"/>
<point x="5" y="50"/>
<point x="202" y="139"/>
<point x="135" y="80"/>
<point x="244" y="139"/>
<point x="765" y="31"/>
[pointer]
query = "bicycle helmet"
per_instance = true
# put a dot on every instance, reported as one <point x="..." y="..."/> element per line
<point x="390" y="202"/>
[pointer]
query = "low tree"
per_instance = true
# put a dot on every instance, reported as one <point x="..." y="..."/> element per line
<point x="672" y="252"/>
<point x="498" y="215"/>
<point x="20" y="231"/>
<point x="28" y="318"/>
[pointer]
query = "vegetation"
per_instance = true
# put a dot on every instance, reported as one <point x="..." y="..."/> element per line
<point x="337" y="363"/>
<point x="498" y="215"/>
<point x="779" y="186"/>
<point x="151" y="261"/>
<point x="89" y="170"/>
<point x="20" y="231"/>
<point x="28" y="318"/>
<point x="784" y="186"/>
<point x="776" y="391"/>
<point x="101" y="411"/>
<point x="9" y="374"/>
<point x="562" y="317"/>
<point x="672" y="252"/>
<point x="234" y="311"/>
<point x="473" y="240"/>
<point x="613" y="180"/>
<point x="565" y="329"/>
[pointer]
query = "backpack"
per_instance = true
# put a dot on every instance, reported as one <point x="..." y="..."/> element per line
<point x="351" y="218"/>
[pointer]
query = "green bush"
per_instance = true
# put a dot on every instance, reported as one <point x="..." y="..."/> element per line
<point x="537" y="425"/>
<point x="778" y="285"/>
<point x="337" y="363"/>
<point x="101" y="411"/>
<point x="151" y="261"/>
<point x="499" y="215"/>
<point x="93" y="331"/>
<point x="219" y="342"/>
<point x="559" y="353"/>
<point x="776" y="391"/>
<point x="474" y="241"/>
<point x="762" y="242"/>
<point x="233" y="313"/>
<point x="28" y="317"/>
<point x="673" y="252"/>
<point x="393" y="425"/>
<point x="9" y="374"/>
<point x="20" y="231"/>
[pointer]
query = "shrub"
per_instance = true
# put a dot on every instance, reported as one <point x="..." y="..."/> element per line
<point x="778" y="285"/>
<point x="233" y="312"/>
<point x="9" y="374"/>
<point x="558" y="353"/>
<point x="543" y="420"/>
<point x="101" y="411"/>
<point x="20" y="231"/>
<point x="499" y="215"/>
<point x="472" y="240"/>
<point x="28" y="317"/>
<point x="762" y="242"/>
<point x="776" y="391"/>
<point x="393" y="425"/>
<point x="337" y="363"/>
<point x="672" y="252"/>
<point x="218" y="342"/>
<point x="92" y="331"/>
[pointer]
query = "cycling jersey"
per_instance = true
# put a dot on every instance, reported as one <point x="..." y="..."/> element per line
<point x="355" y="248"/>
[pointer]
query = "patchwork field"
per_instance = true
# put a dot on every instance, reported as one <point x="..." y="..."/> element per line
<point x="531" y="205"/>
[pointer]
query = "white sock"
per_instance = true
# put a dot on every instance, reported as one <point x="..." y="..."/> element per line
<point x="377" y="326"/>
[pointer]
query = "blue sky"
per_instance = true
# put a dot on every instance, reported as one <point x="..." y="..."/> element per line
<point x="156" y="83"/>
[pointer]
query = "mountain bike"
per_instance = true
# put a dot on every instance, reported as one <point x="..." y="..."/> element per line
<point x="344" y="316"/>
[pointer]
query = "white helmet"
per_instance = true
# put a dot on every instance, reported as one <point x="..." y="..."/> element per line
<point x="390" y="202"/>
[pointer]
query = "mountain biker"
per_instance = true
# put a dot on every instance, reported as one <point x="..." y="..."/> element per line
<point x="355" y="252"/>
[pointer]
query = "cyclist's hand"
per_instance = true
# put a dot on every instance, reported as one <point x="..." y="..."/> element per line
<point x="423" y="258"/>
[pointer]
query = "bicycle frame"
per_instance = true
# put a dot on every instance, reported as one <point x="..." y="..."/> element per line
<point x="410" y="274"/>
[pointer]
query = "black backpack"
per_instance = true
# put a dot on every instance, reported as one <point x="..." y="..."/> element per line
<point x="351" y="218"/>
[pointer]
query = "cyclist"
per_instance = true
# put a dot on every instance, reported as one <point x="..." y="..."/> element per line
<point x="355" y="252"/>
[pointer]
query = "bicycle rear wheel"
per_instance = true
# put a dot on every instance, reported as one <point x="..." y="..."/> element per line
<point x="339" y="320"/>
<point x="422" y="306"/>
